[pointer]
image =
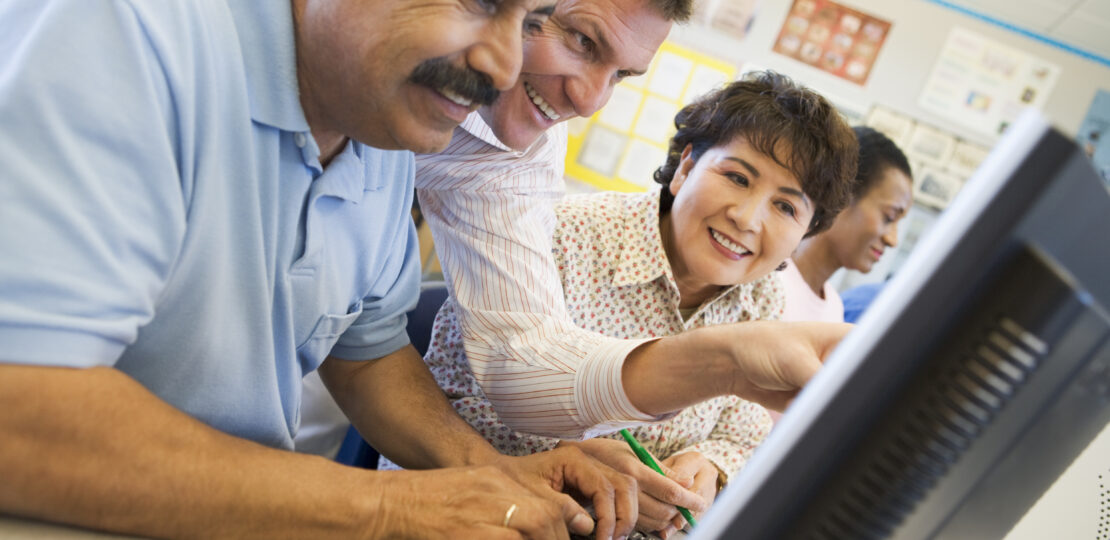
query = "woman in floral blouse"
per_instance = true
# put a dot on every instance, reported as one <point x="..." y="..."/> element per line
<point x="752" y="169"/>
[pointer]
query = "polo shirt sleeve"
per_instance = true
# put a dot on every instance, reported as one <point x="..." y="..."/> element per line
<point x="380" y="329"/>
<point x="93" y="203"/>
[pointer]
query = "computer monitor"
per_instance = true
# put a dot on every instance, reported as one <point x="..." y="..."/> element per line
<point x="976" y="377"/>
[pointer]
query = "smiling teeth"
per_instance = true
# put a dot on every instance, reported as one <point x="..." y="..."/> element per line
<point x="455" y="97"/>
<point x="542" y="105"/>
<point x="728" y="243"/>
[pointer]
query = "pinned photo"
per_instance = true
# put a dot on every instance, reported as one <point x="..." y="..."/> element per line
<point x="819" y="33"/>
<point x="930" y="146"/>
<point x="805" y="8"/>
<point x="828" y="14"/>
<point x="849" y="24"/>
<point x="864" y="50"/>
<point x="966" y="158"/>
<point x="811" y="52"/>
<point x="832" y="61"/>
<point x="873" y="31"/>
<point x="936" y="188"/>
<point x="978" y="102"/>
<point x="857" y="69"/>
<point x="894" y="125"/>
<point x="797" y="25"/>
<point x="790" y="43"/>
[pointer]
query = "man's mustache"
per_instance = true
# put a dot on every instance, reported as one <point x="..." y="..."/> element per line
<point x="439" y="74"/>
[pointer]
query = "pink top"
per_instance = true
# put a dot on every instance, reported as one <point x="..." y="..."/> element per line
<point x="803" y="305"/>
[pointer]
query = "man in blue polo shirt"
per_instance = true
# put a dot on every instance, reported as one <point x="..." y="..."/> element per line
<point x="205" y="200"/>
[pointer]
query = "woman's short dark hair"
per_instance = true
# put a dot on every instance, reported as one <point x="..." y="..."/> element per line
<point x="876" y="154"/>
<point x="791" y="124"/>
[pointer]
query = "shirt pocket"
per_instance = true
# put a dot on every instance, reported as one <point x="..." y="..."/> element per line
<point x="312" y="352"/>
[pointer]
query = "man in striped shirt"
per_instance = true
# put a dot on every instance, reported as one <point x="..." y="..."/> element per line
<point x="488" y="199"/>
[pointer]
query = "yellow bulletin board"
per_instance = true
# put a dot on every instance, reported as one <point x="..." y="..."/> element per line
<point x="619" y="147"/>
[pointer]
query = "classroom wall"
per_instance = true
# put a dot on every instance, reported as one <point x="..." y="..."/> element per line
<point x="918" y="32"/>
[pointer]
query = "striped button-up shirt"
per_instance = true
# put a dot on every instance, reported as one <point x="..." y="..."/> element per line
<point x="490" y="211"/>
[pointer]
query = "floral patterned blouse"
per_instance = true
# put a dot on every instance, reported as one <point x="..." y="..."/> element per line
<point x="618" y="282"/>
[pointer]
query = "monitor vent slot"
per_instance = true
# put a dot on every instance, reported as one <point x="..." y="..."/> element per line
<point x="946" y="416"/>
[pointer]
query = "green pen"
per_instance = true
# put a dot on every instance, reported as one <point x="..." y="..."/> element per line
<point x="646" y="458"/>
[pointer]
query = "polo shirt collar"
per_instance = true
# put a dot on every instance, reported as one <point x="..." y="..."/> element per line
<point x="267" y="40"/>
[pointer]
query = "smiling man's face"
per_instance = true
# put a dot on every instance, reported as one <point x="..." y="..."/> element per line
<point x="403" y="73"/>
<point x="572" y="62"/>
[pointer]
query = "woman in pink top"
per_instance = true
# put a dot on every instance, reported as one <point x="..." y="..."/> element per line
<point x="881" y="195"/>
<point x="752" y="169"/>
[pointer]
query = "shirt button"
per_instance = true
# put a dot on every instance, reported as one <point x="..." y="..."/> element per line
<point x="300" y="139"/>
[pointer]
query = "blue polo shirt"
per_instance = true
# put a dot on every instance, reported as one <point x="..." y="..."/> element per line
<point x="164" y="209"/>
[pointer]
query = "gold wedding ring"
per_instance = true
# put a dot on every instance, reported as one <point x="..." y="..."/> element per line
<point x="508" y="515"/>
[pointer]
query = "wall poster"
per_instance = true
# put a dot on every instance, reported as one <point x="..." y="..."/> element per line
<point x="834" y="38"/>
<point x="984" y="85"/>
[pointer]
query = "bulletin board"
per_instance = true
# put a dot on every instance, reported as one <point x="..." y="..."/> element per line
<point x="833" y="38"/>
<point x="619" y="147"/>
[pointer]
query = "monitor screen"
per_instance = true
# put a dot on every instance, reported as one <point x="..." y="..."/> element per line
<point x="976" y="377"/>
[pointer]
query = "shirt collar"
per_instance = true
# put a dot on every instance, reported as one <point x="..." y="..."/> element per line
<point x="269" y="58"/>
<point x="477" y="127"/>
<point x="642" y="258"/>
<point x="737" y="298"/>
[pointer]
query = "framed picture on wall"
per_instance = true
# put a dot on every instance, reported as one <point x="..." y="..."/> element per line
<point x="833" y="37"/>
<point x="935" y="187"/>
<point x="983" y="84"/>
<point x="966" y="158"/>
<point x="892" y="124"/>
<point x="930" y="146"/>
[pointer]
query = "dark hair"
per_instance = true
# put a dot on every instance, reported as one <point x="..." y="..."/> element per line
<point x="674" y="10"/>
<point x="793" y="125"/>
<point x="876" y="153"/>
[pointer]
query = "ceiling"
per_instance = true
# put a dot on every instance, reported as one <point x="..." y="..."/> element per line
<point x="1082" y="24"/>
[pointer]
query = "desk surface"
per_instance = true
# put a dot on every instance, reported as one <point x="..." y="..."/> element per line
<point x="1070" y="509"/>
